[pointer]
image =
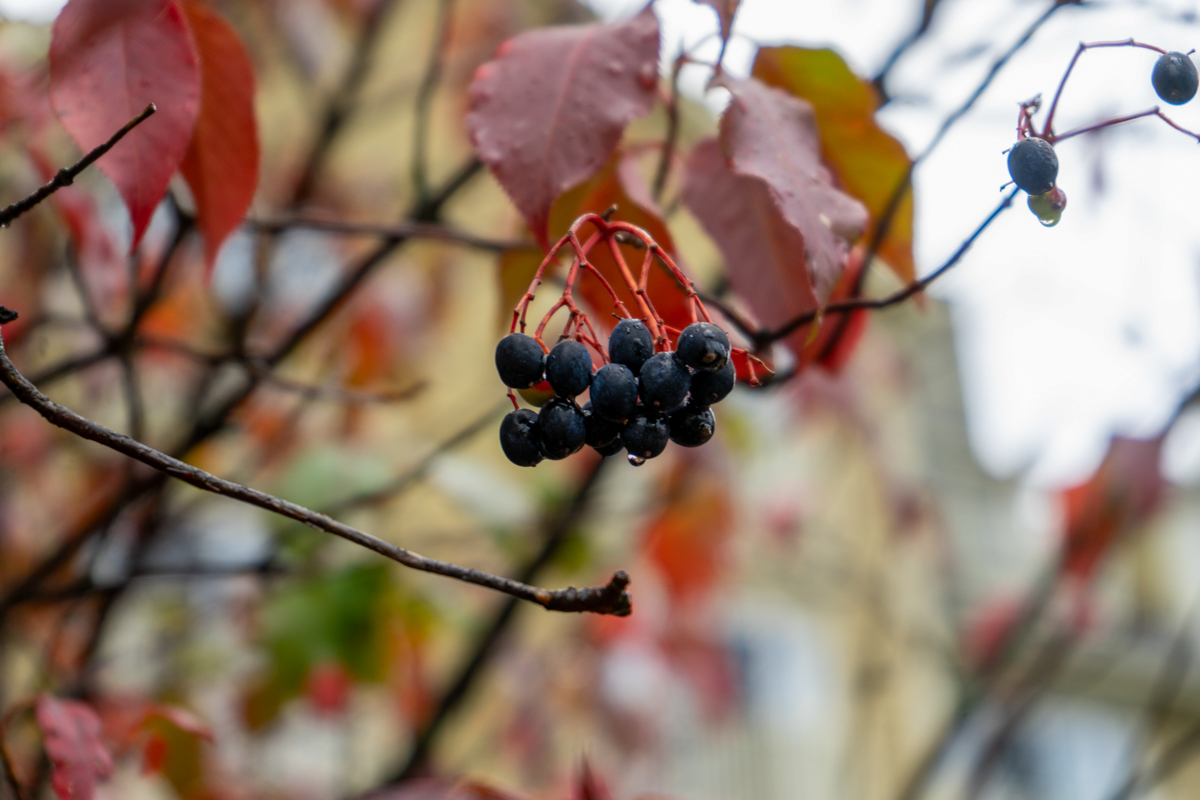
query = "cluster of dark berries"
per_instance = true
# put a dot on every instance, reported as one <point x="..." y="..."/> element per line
<point x="638" y="402"/>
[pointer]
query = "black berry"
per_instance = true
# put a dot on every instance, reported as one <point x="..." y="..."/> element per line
<point x="709" y="388"/>
<point x="600" y="431"/>
<point x="519" y="360"/>
<point x="692" y="425"/>
<point x="519" y="438"/>
<point x="630" y="344"/>
<point x="612" y="448"/>
<point x="704" y="346"/>
<point x="614" y="391"/>
<point x="1175" y="79"/>
<point x="569" y="368"/>
<point x="663" y="383"/>
<point x="1033" y="165"/>
<point x="646" y="435"/>
<point x="563" y="428"/>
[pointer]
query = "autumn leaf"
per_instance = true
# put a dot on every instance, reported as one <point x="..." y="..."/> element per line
<point x="71" y="731"/>
<point x="108" y="61"/>
<point x="685" y="540"/>
<point x="868" y="162"/>
<point x="548" y="112"/>
<point x="221" y="162"/>
<point x="770" y="135"/>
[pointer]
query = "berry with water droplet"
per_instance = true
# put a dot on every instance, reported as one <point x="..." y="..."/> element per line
<point x="630" y="343"/>
<point x="569" y="368"/>
<point x="703" y="346"/>
<point x="646" y="435"/>
<point x="563" y="428"/>
<point x="520" y="439"/>
<point x="614" y="391"/>
<point x="663" y="383"/>
<point x="519" y="360"/>
<point x="1175" y="78"/>
<point x="1048" y="207"/>
<point x="1033" y="165"/>
<point x="709" y="388"/>
<point x="692" y="425"/>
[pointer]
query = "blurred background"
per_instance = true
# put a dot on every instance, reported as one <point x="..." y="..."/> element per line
<point x="963" y="565"/>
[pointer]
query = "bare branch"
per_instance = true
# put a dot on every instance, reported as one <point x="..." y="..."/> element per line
<point x="421" y="114"/>
<point x="67" y="176"/>
<point x="612" y="599"/>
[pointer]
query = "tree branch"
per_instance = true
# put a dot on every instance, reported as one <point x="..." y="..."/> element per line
<point x="424" y="103"/>
<point x="610" y="599"/>
<point x="65" y="177"/>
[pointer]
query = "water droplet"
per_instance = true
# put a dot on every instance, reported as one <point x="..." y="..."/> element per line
<point x="636" y="461"/>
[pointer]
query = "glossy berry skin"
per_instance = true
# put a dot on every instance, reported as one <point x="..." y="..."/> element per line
<point x="600" y="431"/>
<point x="569" y="368"/>
<point x="1033" y="165"/>
<point x="520" y="438"/>
<point x="703" y="346"/>
<point x="614" y="392"/>
<point x="563" y="428"/>
<point x="709" y="388"/>
<point x="646" y="435"/>
<point x="519" y="360"/>
<point x="630" y="344"/>
<point x="692" y="425"/>
<point x="663" y="383"/>
<point x="612" y="448"/>
<point x="1175" y="78"/>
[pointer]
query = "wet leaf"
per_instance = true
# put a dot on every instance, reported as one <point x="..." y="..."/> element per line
<point x="868" y="162"/>
<point x="548" y="112"/>
<point x="221" y="162"/>
<point x="108" y="61"/>
<point x="71" y="731"/>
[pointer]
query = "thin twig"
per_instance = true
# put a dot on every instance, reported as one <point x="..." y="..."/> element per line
<point x="67" y="176"/>
<point x="424" y="102"/>
<point x="609" y="599"/>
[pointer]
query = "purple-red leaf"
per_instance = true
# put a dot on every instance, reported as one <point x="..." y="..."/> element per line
<point x="221" y="162"/>
<point x="770" y="135"/>
<point x="764" y="253"/>
<point x="71" y="731"/>
<point x="549" y="111"/>
<point x="108" y="61"/>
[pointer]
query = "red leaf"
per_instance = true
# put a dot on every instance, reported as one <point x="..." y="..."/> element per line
<point x="71" y="731"/>
<point x="725" y="11"/>
<point x="108" y="61"/>
<point x="549" y="111"/>
<point x="441" y="789"/>
<point x="770" y="135"/>
<point x="221" y="162"/>
<point x="762" y="251"/>
<point x="329" y="688"/>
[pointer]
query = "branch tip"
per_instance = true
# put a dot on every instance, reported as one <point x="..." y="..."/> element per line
<point x="7" y="315"/>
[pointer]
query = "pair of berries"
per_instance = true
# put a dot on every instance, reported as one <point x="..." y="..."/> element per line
<point x="638" y="402"/>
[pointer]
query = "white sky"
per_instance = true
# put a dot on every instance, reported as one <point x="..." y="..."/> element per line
<point x="1066" y="335"/>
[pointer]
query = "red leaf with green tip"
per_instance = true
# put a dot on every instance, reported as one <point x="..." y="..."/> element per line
<point x="221" y="162"/>
<point x="71" y="732"/>
<point x="109" y="59"/>
<point x="548" y="112"/>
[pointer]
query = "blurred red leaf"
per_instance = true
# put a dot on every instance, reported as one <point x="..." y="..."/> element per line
<point x="440" y="789"/>
<point x="590" y="786"/>
<point x="71" y="731"/>
<point x="1123" y="493"/>
<point x="328" y="688"/>
<point x="548" y="112"/>
<point x="221" y="162"/>
<point x="769" y="135"/>
<point x="109" y="59"/>
<point x="839" y="336"/>
<point x="726" y="9"/>
<point x="687" y="538"/>
<point x="868" y="162"/>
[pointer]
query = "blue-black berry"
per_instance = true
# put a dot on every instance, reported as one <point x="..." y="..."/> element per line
<point x="1033" y="165"/>
<point x="630" y="344"/>
<point x="600" y="431"/>
<point x="645" y="436"/>
<point x="692" y="425"/>
<point x="663" y="382"/>
<point x="703" y="346"/>
<point x="563" y="428"/>
<point x="569" y="368"/>
<point x="713" y="387"/>
<point x="519" y="360"/>
<point x="614" y="391"/>
<point x="1175" y="79"/>
<point x="519" y="438"/>
<point x="612" y="448"/>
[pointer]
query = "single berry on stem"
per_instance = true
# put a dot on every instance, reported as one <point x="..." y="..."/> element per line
<point x="630" y="343"/>
<point x="519" y="360"/>
<point x="703" y="346"/>
<point x="663" y="383"/>
<point x="1175" y="78"/>
<point x="692" y="425"/>
<point x="614" y="391"/>
<point x="645" y="436"/>
<point x="569" y="368"/>
<point x="709" y="388"/>
<point x="1033" y="165"/>
<point x="563" y="428"/>
<point x="519" y="438"/>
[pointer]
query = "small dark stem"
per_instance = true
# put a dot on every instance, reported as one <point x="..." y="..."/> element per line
<point x="424" y="102"/>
